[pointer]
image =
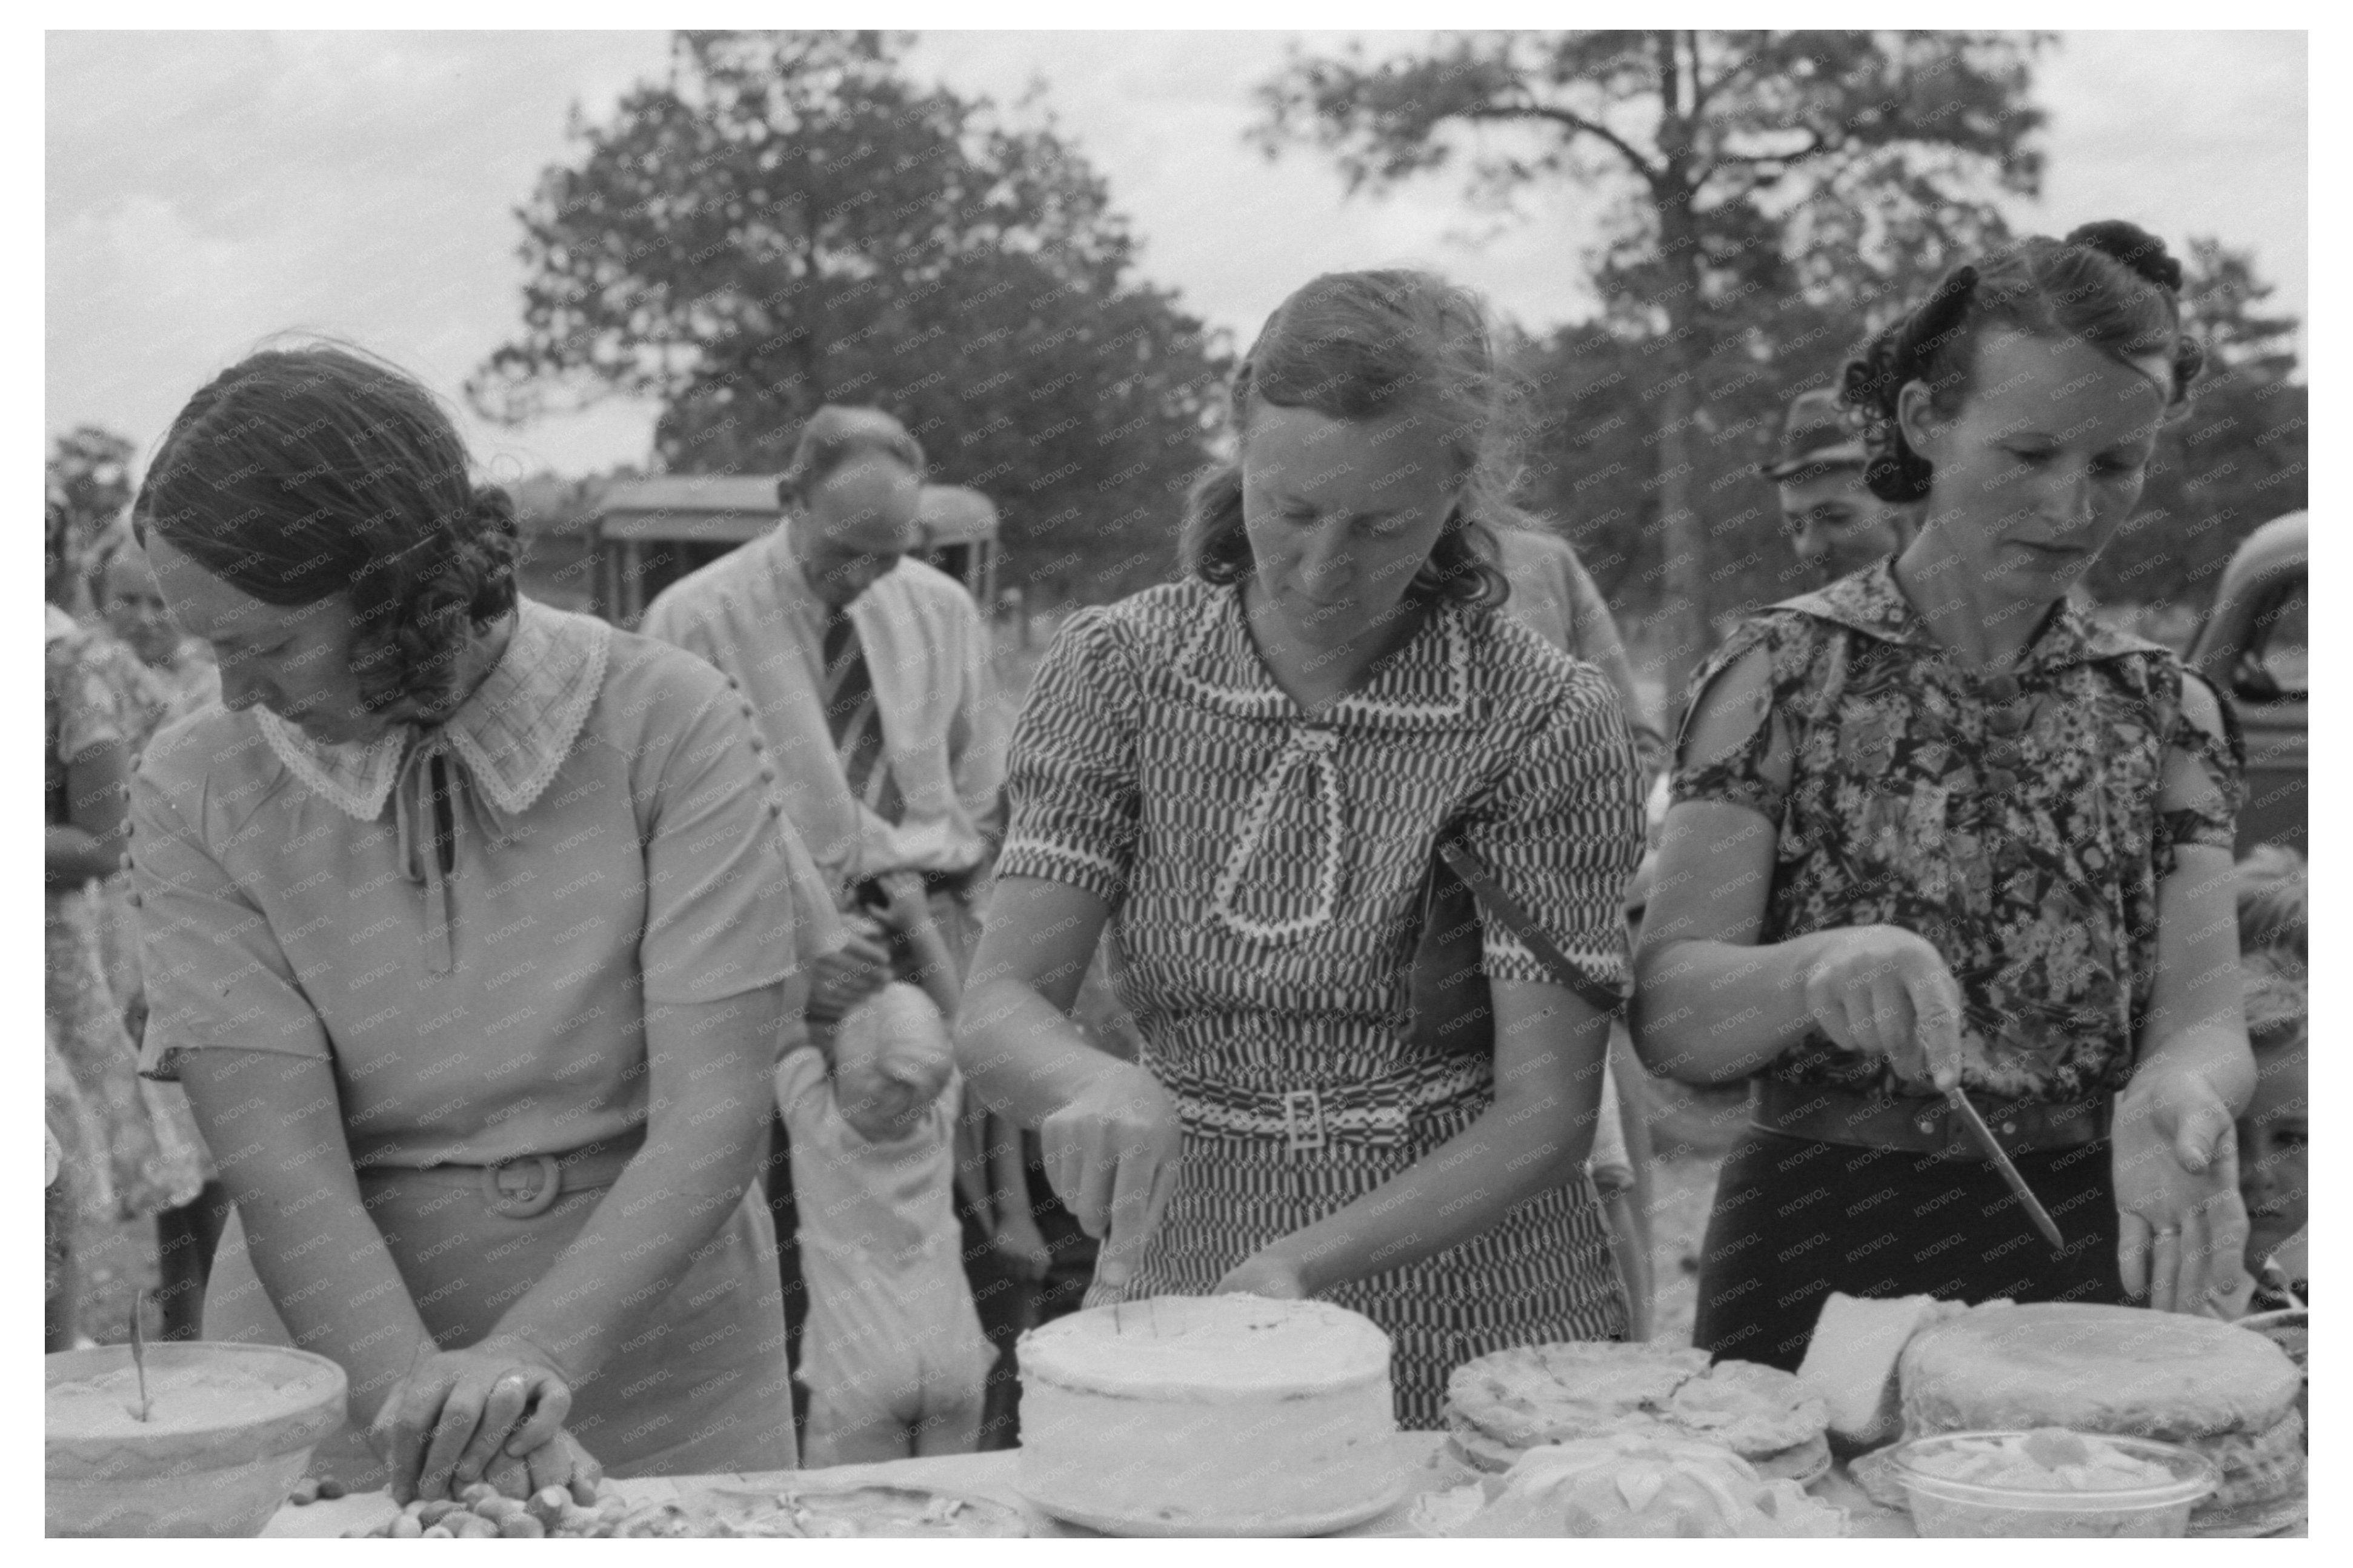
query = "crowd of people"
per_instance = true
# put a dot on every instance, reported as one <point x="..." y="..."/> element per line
<point x="656" y="1051"/>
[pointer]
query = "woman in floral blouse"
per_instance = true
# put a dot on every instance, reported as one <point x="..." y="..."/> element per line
<point x="1935" y="826"/>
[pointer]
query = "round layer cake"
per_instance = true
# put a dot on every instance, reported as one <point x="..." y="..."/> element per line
<point x="2120" y="1370"/>
<point x="1223" y="1415"/>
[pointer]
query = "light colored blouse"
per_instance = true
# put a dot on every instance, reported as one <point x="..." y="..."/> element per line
<point x="612" y="841"/>
<point x="752" y="614"/>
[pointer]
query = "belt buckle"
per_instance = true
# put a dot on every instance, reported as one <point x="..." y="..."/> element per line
<point x="525" y="1202"/>
<point x="1303" y="1120"/>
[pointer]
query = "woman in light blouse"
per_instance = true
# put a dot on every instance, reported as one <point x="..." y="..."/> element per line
<point x="470" y="929"/>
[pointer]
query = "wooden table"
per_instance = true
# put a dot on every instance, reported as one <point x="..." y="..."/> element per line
<point x="990" y="1476"/>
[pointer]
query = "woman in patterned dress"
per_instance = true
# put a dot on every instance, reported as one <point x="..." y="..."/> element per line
<point x="91" y="732"/>
<point x="1244" y="775"/>
<point x="1932" y="825"/>
<point x="156" y="675"/>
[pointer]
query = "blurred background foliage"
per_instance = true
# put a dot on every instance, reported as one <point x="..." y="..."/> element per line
<point x="789" y="218"/>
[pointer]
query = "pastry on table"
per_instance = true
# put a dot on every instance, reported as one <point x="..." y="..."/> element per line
<point x="2119" y="1371"/>
<point x="1851" y="1362"/>
<point x="1500" y="1407"/>
<point x="1631" y="1484"/>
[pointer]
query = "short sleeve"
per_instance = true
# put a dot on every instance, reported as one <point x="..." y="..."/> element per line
<point x="2205" y="767"/>
<point x="215" y="976"/>
<point x="721" y="916"/>
<point x="1070" y="781"/>
<point x="1738" y="777"/>
<point x="1562" y="832"/>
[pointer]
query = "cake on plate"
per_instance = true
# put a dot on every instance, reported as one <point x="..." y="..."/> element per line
<point x="1209" y="1415"/>
<point x="2118" y="1371"/>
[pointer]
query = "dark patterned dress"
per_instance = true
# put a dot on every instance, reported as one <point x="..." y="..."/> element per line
<point x="2012" y="818"/>
<point x="1263" y="868"/>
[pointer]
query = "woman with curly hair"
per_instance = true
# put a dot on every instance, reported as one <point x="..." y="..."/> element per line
<point x="469" y="927"/>
<point x="1245" y="776"/>
<point x="130" y="1150"/>
<point x="1933" y="826"/>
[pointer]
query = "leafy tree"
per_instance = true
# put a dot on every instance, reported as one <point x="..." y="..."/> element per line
<point x="789" y="220"/>
<point x="1765" y="181"/>
<point x="2235" y="460"/>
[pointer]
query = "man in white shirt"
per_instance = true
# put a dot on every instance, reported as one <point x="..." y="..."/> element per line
<point x="868" y="675"/>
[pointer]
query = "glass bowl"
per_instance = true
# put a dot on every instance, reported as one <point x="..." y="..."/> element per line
<point x="1944" y="1506"/>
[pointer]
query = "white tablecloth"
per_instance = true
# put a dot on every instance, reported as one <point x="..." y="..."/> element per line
<point x="991" y="1476"/>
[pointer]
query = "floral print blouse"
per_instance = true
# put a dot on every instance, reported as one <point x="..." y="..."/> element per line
<point x="2010" y="817"/>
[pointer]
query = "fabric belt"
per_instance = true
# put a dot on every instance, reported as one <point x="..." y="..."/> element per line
<point x="527" y="1185"/>
<point x="1920" y="1124"/>
<point x="1377" y="1111"/>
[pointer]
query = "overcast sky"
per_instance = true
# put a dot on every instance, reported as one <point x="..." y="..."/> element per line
<point x="207" y="190"/>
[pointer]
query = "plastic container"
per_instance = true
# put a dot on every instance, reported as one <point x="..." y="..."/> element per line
<point x="1943" y="1506"/>
<point x="232" y="1429"/>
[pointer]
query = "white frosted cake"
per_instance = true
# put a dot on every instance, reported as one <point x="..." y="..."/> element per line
<point x="1209" y="1415"/>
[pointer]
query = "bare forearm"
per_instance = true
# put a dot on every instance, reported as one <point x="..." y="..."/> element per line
<point x="328" y="1272"/>
<point x="1712" y="1012"/>
<point x="706" y="1124"/>
<point x="1020" y="1053"/>
<point x="319" y="1257"/>
<point x="2212" y="1050"/>
<point x="1517" y="1150"/>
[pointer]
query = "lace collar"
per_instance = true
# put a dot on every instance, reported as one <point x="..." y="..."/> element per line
<point x="511" y="734"/>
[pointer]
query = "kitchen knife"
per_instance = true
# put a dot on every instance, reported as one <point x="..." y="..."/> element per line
<point x="1983" y="1137"/>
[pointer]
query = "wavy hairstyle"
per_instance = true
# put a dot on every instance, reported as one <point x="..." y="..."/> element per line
<point x="298" y="474"/>
<point x="2110" y="284"/>
<point x="1369" y="345"/>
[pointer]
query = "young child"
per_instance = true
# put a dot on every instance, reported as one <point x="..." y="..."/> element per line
<point x="893" y="1355"/>
<point x="2273" y="1131"/>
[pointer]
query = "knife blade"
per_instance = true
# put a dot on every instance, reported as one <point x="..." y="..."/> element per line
<point x="1982" y="1135"/>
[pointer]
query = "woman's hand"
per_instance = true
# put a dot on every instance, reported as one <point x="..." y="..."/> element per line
<point x="1266" y="1273"/>
<point x="458" y="1414"/>
<point x="1111" y="1154"/>
<point x="1882" y="991"/>
<point x="2183" y="1233"/>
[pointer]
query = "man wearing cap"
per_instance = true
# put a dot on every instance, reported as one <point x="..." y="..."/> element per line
<point x="868" y="674"/>
<point x="1832" y="520"/>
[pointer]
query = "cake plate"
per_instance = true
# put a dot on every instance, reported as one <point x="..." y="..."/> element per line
<point x="1264" y="1526"/>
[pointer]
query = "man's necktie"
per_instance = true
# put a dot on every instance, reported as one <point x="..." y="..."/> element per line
<point x="856" y="724"/>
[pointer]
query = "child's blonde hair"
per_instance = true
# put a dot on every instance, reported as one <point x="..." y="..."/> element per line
<point x="2272" y="945"/>
<point x="897" y="1035"/>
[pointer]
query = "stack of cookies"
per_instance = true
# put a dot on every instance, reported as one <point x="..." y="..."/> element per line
<point x="1500" y="1406"/>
